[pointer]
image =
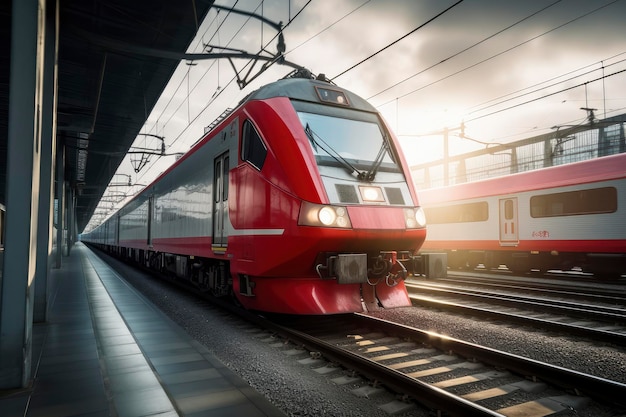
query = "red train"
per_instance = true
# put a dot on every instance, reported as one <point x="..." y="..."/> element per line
<point x="562" y="217"/>
<point x="299" y="201"/>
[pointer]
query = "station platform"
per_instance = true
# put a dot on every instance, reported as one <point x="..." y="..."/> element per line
<point x="107" y="351"/>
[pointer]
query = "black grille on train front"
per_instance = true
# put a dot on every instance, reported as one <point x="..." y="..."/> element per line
<point x="347" y="193"/>
<point x="394" y="195"/>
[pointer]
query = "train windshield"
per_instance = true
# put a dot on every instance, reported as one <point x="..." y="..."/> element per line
<point x="357" y="145"/>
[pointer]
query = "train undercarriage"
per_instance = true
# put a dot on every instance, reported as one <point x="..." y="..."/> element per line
<point x="601" y="265"/>
<point x="340" y="275"/>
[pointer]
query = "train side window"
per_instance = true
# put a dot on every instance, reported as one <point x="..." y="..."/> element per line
<point x="253" y="149"/>
<point x="509" y="211"/>
<point x="572" y="203"/>
<point x="458" y="213"/>
<point x="217" y="182"/>
<point x="225" y="182"/>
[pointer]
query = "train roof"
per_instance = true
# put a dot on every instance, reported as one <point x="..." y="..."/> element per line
<point x="310" y="90"/>
<point x="297" y="88"/>
<point x="589" y="171"/>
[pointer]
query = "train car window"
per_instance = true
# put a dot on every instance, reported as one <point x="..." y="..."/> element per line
<point x="572" y="203"/>
<point x="458" y="213"/>
<point x="225" y="182"/>
<point x="253" y="149"/>
<point x="217" y="181"/>
<point x="509" y="210"/>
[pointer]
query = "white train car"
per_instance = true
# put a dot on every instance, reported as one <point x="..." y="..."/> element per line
<point x="563" y="217"/>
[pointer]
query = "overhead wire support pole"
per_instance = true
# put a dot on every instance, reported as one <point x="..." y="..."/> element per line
<point x="446" y="149"/>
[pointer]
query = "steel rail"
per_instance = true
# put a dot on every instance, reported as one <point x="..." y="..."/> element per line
<point x="558" y="306"/>
<point x="607" y="391"/>
<point x="423" y="393"/>
<point x="611" y="292"/>
<point x="591" y="332"/>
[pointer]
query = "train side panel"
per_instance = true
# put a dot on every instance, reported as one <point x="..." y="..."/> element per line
<point x="576" y="216"/>
<point x="184" y="209"/>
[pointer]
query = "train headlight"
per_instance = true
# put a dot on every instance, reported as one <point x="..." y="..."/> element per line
<point x="327" y="216"/>
<point x="414" y="218"/>
<point x="371" y="194"/>
<point x="323" y="216"/>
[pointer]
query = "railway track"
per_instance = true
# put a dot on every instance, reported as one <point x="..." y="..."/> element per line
<point x="586" y="313"/>
<point x="430" y="373"/>
<point x="446" y="375"/>
<point x="584" y="288"/>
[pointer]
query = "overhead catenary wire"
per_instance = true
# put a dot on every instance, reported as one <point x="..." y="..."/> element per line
<point x="542" y="86"/>
<point x="220" y="91"/>
<point x="582" y="84"/>
<point x="397" y="40"/>
<point x="499" y="53"/>
<point x="547" y="95"/>
<point x="329" y="26"/>
<point x="499" y="32"/>
<point x="179" y="86"/>
<point x="289" y="22"/>
<point x="486" y="104"/>
<point x="212" y="100"/>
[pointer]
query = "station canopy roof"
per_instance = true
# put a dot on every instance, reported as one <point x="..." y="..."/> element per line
<point x="105" y="92"/>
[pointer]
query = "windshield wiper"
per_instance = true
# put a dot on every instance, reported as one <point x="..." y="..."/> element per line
<point x="319" y="142"/>
<point x="371" y="173"/>
<point x="309" y="134"/>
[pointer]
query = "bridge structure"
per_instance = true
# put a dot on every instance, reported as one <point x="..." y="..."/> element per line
<point x="564" y="144"/>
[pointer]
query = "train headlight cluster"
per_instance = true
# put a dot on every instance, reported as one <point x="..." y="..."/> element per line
<point x="323" y="215"/>
<point x="414" y="218"/>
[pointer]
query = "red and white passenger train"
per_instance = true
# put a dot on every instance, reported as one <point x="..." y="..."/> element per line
<point x="299" y="201"/>
<point x="562" y="217"/>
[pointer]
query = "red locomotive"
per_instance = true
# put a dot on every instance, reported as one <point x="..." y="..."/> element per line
<point x="562" y="217"/>
<point x="299" y="201"/>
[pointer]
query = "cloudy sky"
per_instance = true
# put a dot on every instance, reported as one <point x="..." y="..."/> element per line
<point x="507" y="69"/>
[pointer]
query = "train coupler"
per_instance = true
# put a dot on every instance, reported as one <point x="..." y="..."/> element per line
<point x="387" y="267"/>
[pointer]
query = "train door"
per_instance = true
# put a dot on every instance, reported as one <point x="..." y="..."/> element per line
<point x="509" y="225"/>
<point x="220" y="201"/>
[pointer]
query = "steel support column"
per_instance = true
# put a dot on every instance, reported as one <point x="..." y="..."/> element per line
<point x="60" y="208"/>
<point x="48" y="152"/>
<point x="71" y="214"/>
<point x="23" y="154"/>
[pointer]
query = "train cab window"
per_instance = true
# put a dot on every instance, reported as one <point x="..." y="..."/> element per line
<point x="458" y="213"/>
<point x="253" y="149"/>
<point x="571" y="203"/>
